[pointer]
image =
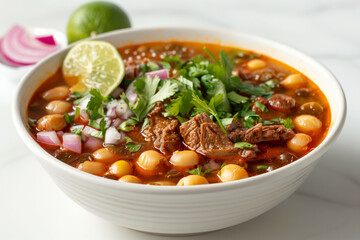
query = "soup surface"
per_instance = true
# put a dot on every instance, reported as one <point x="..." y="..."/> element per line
<point x="183" y="115"/>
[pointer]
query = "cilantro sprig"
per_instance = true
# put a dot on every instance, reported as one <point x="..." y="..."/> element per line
<point x="198" y="171"/>
<point x="209" y="108"/>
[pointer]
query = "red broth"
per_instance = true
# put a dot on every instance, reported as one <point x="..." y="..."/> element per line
<point x="273" y="154"/>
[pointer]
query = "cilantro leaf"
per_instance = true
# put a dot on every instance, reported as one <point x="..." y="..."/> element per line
<point x="70" y="118"/>
<point x="215" y="87"/>
<point x="261" y="106"/>
<point x="243" y="145"/>
<point x="261" y="167"/>
<point x="95" y="106"/>
<point x="128" y="140"/>
<point x="209" y="108"/>
<point x="198" y="171"/>
<point x="236" y="98"/>
<point x="128" y="125"/>
<point x="288" y="123"/>
<point x="180" y="105"/>
<point x="133" y="148"/>
<point x="147" y="95"/>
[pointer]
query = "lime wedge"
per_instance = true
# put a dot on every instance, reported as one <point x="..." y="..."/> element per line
<point x="93" y="65"/>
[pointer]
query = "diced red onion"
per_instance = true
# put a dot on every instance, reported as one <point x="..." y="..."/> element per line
<point x="20" y="49"/>
<point x="132" y="98"/>
<point x="130" y="89"/>
<point x="123" y="110"/>
<point x="72" y="142"/>
<point x="87" y="131"/>
<point x="111" y="113"/>
<point x="49" y="138"/>
<point x="49" y="40"/>
<point x="76" y="127"/>
<point x="84" y="115"/>
<point x="116" y="122"/>
<point x="93" y="143"/>
<point x="84" y="102"/>
<point x="162" y="73"/>
<point x="60" y="133"/>
<point x="113" y="136"/>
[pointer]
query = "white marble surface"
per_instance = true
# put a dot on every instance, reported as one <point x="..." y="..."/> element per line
<point x="327" y="206"/>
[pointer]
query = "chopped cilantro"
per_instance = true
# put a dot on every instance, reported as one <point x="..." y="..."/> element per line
<point x="95" y="106"/>
<point x="261" y="106"/>
<point x="243" y="145"/>
<point x="69" y="118"/>
<point x="31" y="121"/>
<point x="180" y="105"/>
<point x="174" y="59"/>
<point x="99" y="125"/>
<point x="147" y="95"/>
<point x="77" y="130"/>
<point x="165" y="65"/>
<point x="77" y="95"/>
<point x="198" y="171"/>
<point x="153" y="66"/>
<point x="128" y="140"/>
<point x="288" y="123"/>
<point x="133" y="148"/>
<point x="128" y="125"/>
<point x="261" y="167"/>
<point x="236" y="98"/>
<point x="209" y="108"/>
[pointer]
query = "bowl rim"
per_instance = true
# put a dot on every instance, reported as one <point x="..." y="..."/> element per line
<point x="144" y="188"/>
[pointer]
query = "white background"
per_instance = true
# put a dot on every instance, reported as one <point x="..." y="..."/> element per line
<point x="327" y="206"/>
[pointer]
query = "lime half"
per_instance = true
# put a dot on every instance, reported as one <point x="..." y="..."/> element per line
<point x="93" y="65"/>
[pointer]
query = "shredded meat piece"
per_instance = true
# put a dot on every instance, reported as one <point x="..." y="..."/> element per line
<point x="258" y="133"/>
<point x="163" y="132"/>
<point x="206" y="137"/>
<point x="191" y="131"/>
<point x="132" y="69"/>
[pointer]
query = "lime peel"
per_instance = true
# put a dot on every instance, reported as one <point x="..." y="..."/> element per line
<point x="93" y="65"/>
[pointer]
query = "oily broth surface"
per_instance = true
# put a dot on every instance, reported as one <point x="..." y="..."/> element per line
<point x="155" y="51"/>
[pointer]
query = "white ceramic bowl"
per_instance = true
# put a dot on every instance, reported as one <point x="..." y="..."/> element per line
<point x="192" y="209"/>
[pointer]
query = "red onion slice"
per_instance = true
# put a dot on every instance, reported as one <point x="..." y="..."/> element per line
<point x="48" y="40"/>
<point x="162" y="73"/>
<point x="21" y="49"/>
<point x="49" y="138"/>
<point x="72" y="142"/>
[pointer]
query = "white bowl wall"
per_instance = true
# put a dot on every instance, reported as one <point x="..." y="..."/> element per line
<point x="194" y="209"/>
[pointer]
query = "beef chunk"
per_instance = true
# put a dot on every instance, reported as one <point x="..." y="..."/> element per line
<point x="132" y="70"/>
<point x="163" y="132"/>
<point x="191" y="131"/>
<point x="258" y="133"/>
<point x="206" y="137"/>
<point x="281" y="102"/>
<point x="235" y="131"/>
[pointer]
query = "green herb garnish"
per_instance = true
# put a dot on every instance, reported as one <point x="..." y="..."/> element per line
<point x="209" y="108"/>
<point x="261" y="167"/>
<point x="133" y="148"/>
<point x="288" y="123"/>
<point x="243" y="145"/>
<point x="198" y="171"/>
<point x="261" y="106"/>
